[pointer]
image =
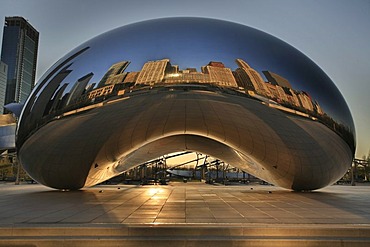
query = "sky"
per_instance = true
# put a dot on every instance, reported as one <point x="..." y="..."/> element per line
<point x="333" y="33"/>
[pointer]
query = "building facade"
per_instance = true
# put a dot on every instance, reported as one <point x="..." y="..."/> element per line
<point x="219" y="74"/>
<point x="115" y="74"/>
<point x="3" y="79"/>
<point x="276" y="79"/>
<point x="19" y="52"/>
<point x="251" y="77"/>
<point x="153" y="72"/>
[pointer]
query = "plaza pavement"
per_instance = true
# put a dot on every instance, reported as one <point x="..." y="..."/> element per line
<point x="184" y="214"/>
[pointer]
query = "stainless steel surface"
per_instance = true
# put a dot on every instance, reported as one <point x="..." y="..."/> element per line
<point x="160" y="86"/>
<point x="7" y="132"/>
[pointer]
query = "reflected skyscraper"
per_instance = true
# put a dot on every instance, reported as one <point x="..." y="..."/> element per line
<point x="251" y="77"/>
<point x="276" y="79"/>
<point x="154" y="71"/>
<point x="305" y="101"/>
<point x="115" y="74"/>
<point x="79" y="88"/>
<point x="19" y="52"/>
<point x="131" y="77"/>
<point x="219" y="74"/>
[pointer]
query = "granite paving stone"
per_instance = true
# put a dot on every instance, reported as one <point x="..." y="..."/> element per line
<point x="182" y="203"/>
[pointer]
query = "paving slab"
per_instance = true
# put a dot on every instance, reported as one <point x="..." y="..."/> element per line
<point x="265" y="215"/>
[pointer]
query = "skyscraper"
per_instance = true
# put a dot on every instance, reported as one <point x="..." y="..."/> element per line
<point x="3" y="79"/>
<point x="251" y="76"/>
<point x="19" y="52"/>
<point x="79" y="88"/>
<point x="276" y="79"/>
<point x="154" y="71"/>
<point x="219" y="74"/>
<point x="116" y="73"/>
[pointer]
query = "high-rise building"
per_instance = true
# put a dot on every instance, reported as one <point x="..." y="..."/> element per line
<point x="79" y="88"/>
<point x="294" y="98"/>
<point x="251" y="76"/>
<point x="276" y="79"/>
<point x="154" y="72"/>
<point x="186" y="76"/>
<point x="243" y="79"/>
<point x="19" y="52"/>
<point x="115" y="74"/>
<point x="305" y="101"/>
<point x="281" y="93"/>
<point x="131" y="77"/>
<point x="219" y="74"/>
<point x="318" y="108"/>
<point x="3" y="79"/>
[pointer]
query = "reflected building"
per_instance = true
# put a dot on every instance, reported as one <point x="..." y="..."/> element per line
<point x="219" y="75"/>
<point x="305" y="101"/>
<point x="242" y="79"/>
<point x="187" y="76"/>
<point x="281" y="93"/>
<point x="248" y="76"/>
<point x="273" y="91"/>
<point x="154" y="72"/>
<point x="292" y="97"/>
<point x="57" y="102"/>
<point x="294" y="133"/>
<point x="101" y="91"/>
<point x="90" y="87"/>
<point x="38" y="104"/>
<point x="45" y="99"/>
<point x="318" y="108"/>
<point x="276" y="79"/>
<point x="131" y="78"/>
<point x="115" y="74"/>
<point x="78" y="88"/>
<point x="19" y="52"/>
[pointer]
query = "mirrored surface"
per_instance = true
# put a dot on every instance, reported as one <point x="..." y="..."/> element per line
<point x="175" y="84"/>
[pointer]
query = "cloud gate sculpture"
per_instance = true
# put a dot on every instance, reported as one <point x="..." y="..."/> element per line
<point x="174" y="84"/>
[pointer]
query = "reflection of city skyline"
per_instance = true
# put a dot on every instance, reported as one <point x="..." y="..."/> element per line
<point x="157" y="72"/>
<point x="194" y="48"/>
<point x="63" y="97"/>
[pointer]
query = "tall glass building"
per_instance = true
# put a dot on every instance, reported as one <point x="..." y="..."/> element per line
<point x="19" y="52"/>
<point x="3" y="80"/>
